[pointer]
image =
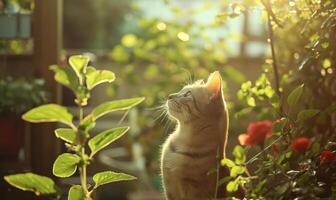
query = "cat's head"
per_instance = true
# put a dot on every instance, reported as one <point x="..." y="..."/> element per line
<point x="198" y="101"/>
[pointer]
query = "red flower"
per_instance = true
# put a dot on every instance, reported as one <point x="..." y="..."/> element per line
<point x="256" y="133"/>
<point x="301" y="144"/>
<point x="327" y="157"/>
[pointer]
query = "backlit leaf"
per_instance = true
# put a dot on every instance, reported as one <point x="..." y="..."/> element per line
<point x="117" y="105"/>
<point x="66" y="134"/>
<point x="95" y="77"/>
<point x="66" y="77"/>
<point x="227" y="162"/>
<point x="49" y="113"/>
<point x="236" y="170"/>
<point x="32" y="182"/>
<point x="251" y="101"/>
<point x="76" y="193"/>
<point x="65" y="165"/>
<point x="79" y="64"/>
<point x="232" y="186"/>
<point x="105" y="138"/>
<point x="295" y="95"/>
<point x="106" y="177"/>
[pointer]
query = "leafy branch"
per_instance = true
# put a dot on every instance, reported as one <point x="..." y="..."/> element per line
<point x="81" y="79"/>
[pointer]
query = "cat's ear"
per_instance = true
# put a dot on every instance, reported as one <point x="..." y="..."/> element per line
<point x="214" y="85"/>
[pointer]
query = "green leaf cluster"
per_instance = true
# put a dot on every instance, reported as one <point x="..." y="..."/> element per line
<point x="81" y="79"/>
<point x="237" y="169"/>
<point x="257" y="96"/>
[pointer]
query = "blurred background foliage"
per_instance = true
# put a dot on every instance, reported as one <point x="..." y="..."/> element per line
<point x="20" y="95"/>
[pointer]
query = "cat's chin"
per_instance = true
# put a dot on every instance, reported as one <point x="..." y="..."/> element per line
<point x="173" y="114"/>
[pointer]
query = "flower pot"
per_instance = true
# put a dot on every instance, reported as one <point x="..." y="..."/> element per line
<point x="15" y="26"/>
<point x="12" y="137"/>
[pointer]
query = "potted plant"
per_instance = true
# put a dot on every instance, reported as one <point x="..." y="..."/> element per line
<point x="15" y="18"/>
<point x="17" y="96"/>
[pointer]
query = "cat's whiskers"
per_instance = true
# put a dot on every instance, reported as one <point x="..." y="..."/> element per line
<point x="167" y="124"/>
<point x="157" y="108"/>
<point x="162" y="112"/>
<point x="161" y="115"/>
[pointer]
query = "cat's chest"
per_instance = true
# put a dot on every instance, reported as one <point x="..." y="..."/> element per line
<point x="177" y="157"/>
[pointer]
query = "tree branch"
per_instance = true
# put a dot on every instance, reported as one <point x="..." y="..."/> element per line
<point x="272" y="18"/>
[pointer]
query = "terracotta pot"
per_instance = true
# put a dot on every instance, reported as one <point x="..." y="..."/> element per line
<point x="11" y="137"/>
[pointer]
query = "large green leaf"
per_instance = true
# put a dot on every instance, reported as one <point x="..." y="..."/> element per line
<point x="105" y="138"/>
<point x="95" y="77"/>
<point x="66" y="77"/>
<point x="106" y="177"/>
<point x="32" y="182"/>
<point x="65" y="165"/>
<point x="49" y="113"/>
<point x="112" y="106"/>
<point x="295" y="95"/>
<point x="76" y="193"/>
<point x="79" y="64"/>
<point x="306" y="114"/>
<point x="66" y="134"/>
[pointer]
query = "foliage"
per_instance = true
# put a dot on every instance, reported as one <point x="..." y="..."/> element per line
<point x="167" y="53"/>
<point x="81" y="79"/>
<point x="298" y="160"/>
<point x="20" y="95"/>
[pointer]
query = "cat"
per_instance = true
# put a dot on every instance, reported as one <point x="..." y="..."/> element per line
<point x="189" y="153"/>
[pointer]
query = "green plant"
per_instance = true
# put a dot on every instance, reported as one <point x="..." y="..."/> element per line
<point x="81" y="79"/>
<point x="20" y="95"/>
<point x="297" y="160"/>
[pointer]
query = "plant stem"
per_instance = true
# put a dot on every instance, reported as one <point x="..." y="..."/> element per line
<point x="271" y="17"/>
<point x="271" y="38"/>
<point x="83" y="155"/>
<point x="80" y="113"/>
<point x="263" y="150"/>
<point x="83" y="176"/>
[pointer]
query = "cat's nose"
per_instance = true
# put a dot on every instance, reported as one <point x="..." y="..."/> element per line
<point x="171" y="96"/>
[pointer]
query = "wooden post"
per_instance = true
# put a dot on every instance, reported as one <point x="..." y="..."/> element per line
<point x="47" y="35"/>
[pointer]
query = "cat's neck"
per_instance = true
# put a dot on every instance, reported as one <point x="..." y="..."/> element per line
<point x="198" y="130"/>
<point x="199" y="126"/>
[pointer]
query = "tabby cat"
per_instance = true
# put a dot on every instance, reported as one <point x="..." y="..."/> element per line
<point x="201" y="134"/>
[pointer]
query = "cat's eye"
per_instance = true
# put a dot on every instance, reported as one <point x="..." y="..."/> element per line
<point x="187" y="94"/>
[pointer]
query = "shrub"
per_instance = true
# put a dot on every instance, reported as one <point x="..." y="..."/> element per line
<point x="296" y="162"/>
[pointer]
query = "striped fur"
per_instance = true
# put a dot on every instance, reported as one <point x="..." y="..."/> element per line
<point x="189" y="153"/>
